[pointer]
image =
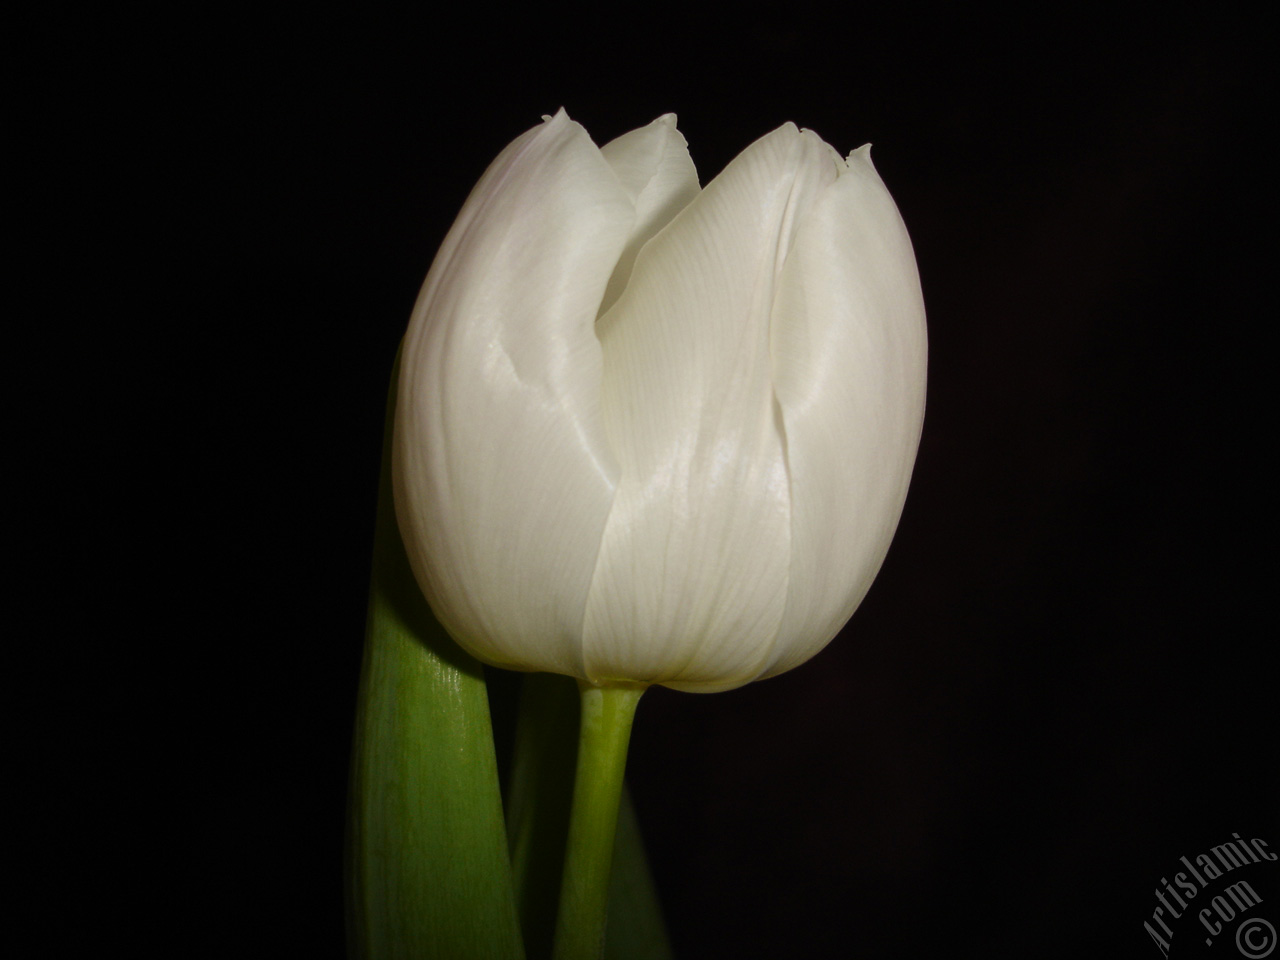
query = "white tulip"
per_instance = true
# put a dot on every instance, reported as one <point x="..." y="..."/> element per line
<point x="651" y="433"/>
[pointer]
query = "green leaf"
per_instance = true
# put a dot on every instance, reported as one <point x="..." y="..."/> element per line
<point x="428" y="870"/>
<point x="540" y="793"/>
<point x="636" y="930"/>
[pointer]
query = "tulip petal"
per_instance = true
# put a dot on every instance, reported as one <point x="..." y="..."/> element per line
<point x="691" y="582"/>
<point x="654" y="166"/>
<point x="850" y="356"/>
<point x="504" y="478"/>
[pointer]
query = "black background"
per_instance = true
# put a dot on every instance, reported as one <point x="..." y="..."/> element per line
<point x="1059" y="683"/>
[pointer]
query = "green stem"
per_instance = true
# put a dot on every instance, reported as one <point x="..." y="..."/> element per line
<point x="603" y="736"/>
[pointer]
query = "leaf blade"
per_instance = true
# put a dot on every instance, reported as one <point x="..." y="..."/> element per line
<point x="428" y="871"/>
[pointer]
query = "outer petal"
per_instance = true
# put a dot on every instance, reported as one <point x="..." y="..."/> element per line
<point x="849" y="347"/>
<point x="654" y="166"/>
<point x="503" y="477"/>
<point x="692" y="576"/>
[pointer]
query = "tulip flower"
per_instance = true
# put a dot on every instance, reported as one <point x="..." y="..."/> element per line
<point x="648" y="433"/>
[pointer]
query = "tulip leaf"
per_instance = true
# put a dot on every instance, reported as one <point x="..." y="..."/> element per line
<point x="636" y="930"/>
<point x="428" y="870"/>
<point x="540" y="793"/>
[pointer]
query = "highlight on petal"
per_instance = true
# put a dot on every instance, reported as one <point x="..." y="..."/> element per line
<point x="655" y="168"/>
<point x="691" y="584"/>
<point x="850" y="355"/>
<point x="503" y="474"/>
